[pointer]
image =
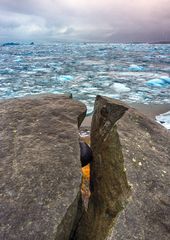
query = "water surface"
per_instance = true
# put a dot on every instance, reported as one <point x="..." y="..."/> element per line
<point x="129" y="72"/>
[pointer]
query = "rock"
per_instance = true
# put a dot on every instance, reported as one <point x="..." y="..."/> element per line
<point x="40" y="167"/>
<point x="10" y="44"/>
<point x="130" y="176"/>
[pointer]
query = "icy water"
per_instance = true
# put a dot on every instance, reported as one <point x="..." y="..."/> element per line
<point x="130" y="72"/>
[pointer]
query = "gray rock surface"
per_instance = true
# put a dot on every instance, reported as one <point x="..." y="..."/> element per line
<point x="40" y="167"/>
<point x="146" y="153"/>
<point x="130" y="176"/>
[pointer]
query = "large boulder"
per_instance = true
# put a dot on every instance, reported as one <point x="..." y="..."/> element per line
<point x="130" y="176"/>
<point x="40" y="167"/>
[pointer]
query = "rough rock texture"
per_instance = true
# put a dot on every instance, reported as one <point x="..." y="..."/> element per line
<point x="130" y="176"/>
<point x="40" y="167"/>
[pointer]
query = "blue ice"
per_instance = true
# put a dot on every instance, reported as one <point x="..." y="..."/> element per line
<point x="155" y="82"/>
<point x="65" y="78"/>
<point x="166" y="79"/>
<point x="159" y="82"/>
<point x="135" y="68"/>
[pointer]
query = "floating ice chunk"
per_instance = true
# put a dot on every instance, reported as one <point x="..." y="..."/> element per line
<point x="114" y="96"/>
<point x="56" y="91"/>
<point x="65" y="78"/>
<point x="105" y="83"/>
<point x="91" y="89"/>
<point x="164" y="119"/>
<point x="166" y="79"/>
<point x="92" y="95"/>
<point x="18" y="59"/>
<point x="156" y="82"/>
<point x="41" y="70"/>
<point x="2" y="78"/>
<point x="6" y="71"/>
<point x="135" y="68"/>
<point x="135" y="97"/>
<point x="120" y="87"/>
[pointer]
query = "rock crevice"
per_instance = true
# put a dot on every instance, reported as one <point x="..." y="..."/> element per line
<point x="110" y="189"/>
<point x="130" y="176"/>
<point x="41" y="172"/>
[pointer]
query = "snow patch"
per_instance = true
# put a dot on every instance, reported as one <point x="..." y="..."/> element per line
<point x="164" y="119"/>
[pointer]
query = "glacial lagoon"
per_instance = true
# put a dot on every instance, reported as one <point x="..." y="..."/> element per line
<point x="129" y="72"/>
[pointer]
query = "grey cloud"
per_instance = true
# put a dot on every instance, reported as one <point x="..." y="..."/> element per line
<point x="123" y="20"/>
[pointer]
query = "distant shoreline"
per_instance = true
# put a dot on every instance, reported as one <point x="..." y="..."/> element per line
<point x="161" y="42"/>
<point x="18" y="43"/>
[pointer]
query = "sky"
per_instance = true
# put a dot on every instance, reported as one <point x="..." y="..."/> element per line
<point x="85" y="20"/>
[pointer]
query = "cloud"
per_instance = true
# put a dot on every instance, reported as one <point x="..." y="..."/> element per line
<point x="113" y="20"/>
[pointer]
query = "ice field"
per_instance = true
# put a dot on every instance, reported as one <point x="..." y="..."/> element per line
<point x="129" y="72"/>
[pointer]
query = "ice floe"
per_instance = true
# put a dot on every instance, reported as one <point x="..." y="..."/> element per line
<point x="120" y="87"/>
<point x="18" y="59"/>
<point x="6" y="71"/>
<point x="65" y="78"/>
<point x="114" y="96"/>
<point x="121" y="71"/>
<point x="166" y="79"/>
<point x="155" y="82"/>
<point x="135" y="68"/>
<point x="159" y="82"/>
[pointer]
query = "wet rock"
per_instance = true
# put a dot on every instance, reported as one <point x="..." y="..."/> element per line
<point x="130" y="176"/>
<point x="40" y="166"/>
